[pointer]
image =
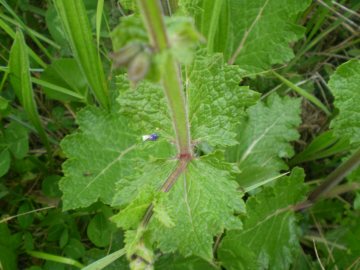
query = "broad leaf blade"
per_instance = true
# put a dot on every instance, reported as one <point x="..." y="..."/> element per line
<point x="264" y="139"/>
<point x="201" y="205"/>
<point x="216" y="101"/>
<point x="344" y="85"/>
<point x="98" y="156"/>
<point x="269" y="233"/>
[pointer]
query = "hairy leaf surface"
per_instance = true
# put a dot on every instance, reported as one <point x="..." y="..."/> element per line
<point x="269" y="235"/>
<point x="264" y="139"/>
<point x="216" y="101"/>
<point x="345" y="86"/>
<point x="102" y="152"/>
<point x="201" y="205"/>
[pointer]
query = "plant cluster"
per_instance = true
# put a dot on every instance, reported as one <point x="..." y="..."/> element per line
<point x="179" y="134"/>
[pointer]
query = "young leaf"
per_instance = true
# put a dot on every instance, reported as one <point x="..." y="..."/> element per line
<point x="215" y="102"/>
<point x="344" y="85"/>
<point x="264" y="139"/>
<point x="269" y="234"/>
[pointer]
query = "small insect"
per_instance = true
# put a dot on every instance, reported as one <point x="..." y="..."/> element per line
<point x="87" y="174"/>
<point x="151" y="137"/>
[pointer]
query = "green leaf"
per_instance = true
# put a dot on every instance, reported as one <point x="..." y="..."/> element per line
<point x="153" y="115"/>
<point x="17" y="139"/>
<point x="20" y="80"/>
<point x="201" y="205"/>
<point x="50" y="186"/>
<point x="77" y="28"/>
<point x="5" y="161"/>
<point x="74" y="249"/>
<point x="256" y="41"/>
<point x="25" y="219"/>
<point x="105" y="261"/>
<point x="324" y="145"/>
<point x="55" y="258"/>
<point x="344" y="85"/>
<point x="216" y="101"/>
<point x="65" y="73"/>
<point x="104" y="151"/>
<point x="264" y="140"/>
<point x="203" y="192"/>
<point x="269" y="235"/>
<point x="100" y="230"/>
<point x="99" y="155"/>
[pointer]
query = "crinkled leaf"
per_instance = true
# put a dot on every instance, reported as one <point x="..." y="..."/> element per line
<point x="269" y="231"/>
<point x="345" y="86"/>
<point x="103" y="151"/>
<point x="203" y="193"/>
<point x="216" y="101"/>
<point x="146" y="106"/>
<point x="201" y="205"/>
<point x="264" y="139"/>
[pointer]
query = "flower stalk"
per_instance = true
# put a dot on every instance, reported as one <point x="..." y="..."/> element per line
<point x="152" y="16"/>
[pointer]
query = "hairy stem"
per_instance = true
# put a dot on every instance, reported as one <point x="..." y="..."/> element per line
<point x="168" y="184"/>
<point x="171" y="80"/>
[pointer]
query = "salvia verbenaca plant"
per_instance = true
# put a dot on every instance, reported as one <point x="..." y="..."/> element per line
<point x="177" y="149"/>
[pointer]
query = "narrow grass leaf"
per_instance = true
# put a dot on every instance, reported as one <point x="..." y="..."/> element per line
<point x="55" y="258"/>
<point x="21" y="82"/>
<point x="105" y="261"/>
<point x="4" y="26"/>
<point x="99" y="13"/>
<point x="303" y="93"/>
<point x="77" y="27"/>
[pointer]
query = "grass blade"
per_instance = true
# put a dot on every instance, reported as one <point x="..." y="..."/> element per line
<point x="59" y="89"/>
<point x="21" y="82"/>
<point x="303" y="93"/>
<point x="4" y="26"/>
<point x="55" y="258"/>
<point x="77" y="27"/>
<point x="103" y="262"/>
<point x="99" y="12"/>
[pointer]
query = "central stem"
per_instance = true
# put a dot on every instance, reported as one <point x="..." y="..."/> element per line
<point x="171" y="80"/>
